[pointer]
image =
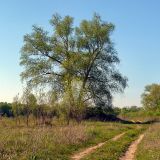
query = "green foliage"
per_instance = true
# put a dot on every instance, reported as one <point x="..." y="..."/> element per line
<point x="98" y="113"/>
<point x="17" y="106"/>
<point x="151" y="97"/>
<point x="6" y="109"/>
<point x="131" y="110"/>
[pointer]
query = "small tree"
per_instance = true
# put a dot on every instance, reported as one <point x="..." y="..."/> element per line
<point x="53" y="103"/>
<point x="17" y="108"/>
<point x="29" y="103"/>
<point x="45" y="109"/>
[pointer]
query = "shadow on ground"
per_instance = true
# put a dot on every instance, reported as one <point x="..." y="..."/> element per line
<point x="113" y="118"/>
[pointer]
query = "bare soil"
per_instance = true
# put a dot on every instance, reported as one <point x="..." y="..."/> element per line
<point x="129" y="155"/>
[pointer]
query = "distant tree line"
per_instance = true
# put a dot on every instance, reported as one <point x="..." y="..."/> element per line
<point x="44" y="108"/>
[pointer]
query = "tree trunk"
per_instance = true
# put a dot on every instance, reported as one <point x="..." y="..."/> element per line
<point x="27" y="120"/>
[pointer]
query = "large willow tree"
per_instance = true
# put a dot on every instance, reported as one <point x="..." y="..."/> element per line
<point x="79" y="63"/>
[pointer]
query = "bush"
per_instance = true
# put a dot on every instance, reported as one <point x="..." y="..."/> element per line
<point x="99" y="113"/>
<point x="6" y="109"/>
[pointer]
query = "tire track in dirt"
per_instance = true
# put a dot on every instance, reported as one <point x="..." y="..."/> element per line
<point x="89" y="150"/>
<point x="130" y="154"/>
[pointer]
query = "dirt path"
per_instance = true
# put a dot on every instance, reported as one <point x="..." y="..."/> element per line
<point x="129" y="155"/>
<point x="89" y="150"/>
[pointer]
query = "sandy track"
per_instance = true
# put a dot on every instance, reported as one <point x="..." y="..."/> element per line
<point x="129" y="155"/>
<point x="89" y="150"/>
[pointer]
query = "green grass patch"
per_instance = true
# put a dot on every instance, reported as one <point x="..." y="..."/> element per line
<point x="112" y="150"/>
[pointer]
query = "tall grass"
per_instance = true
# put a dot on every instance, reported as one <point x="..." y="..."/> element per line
<point x="38" y="142"/>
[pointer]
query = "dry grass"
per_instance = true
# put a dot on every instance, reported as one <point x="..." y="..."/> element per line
<point x="29" y="143"/>
<point x="70" y="135"/>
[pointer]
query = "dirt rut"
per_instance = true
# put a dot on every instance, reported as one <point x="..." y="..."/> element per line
<point x="89" y="150"/>
<point x="130" y="154"/>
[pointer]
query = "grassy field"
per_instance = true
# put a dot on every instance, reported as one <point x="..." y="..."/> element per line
<point x="149" y="149"/>
<point x="51" y="143"/>
<point x="61" y="141"/>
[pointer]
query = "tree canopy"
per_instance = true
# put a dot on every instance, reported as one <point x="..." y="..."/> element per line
<point x="151" y="96"/>
<point x="79" y="63"/>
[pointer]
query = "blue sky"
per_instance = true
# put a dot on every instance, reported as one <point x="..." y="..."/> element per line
<point x="136" y="38"/>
